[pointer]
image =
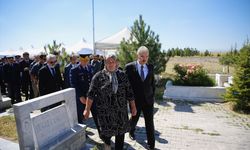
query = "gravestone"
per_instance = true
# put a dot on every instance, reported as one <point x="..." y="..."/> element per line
<point x="54" y="129"/>
<point x="5" y="102"/>
<point x="194" y="93"/>
<point x="230" y="80"/>
<point x="221" y="79"/>
<point x="169" y="83"/>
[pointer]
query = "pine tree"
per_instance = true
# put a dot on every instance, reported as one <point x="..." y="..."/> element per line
<point x="141" y="34"/>
<point x="239" y="92"/>
<point x="229" y="59"/>
<point x="207" y="53"/>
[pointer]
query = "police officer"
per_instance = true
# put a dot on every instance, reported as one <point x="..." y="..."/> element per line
<point x="11" y="74"/>
<point x="2" y="82"/>
<point x="80" y="78"/>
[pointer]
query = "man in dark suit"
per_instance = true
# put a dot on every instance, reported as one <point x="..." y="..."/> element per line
<point x="141" y="77"/>
<point x="11" y="74"/>
<point x="72" y="64"/>
<point x="50" y="79"/>
<point x="25" y="76"/>
<point x="96" y="63"/>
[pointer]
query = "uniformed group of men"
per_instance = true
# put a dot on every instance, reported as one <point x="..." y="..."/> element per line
<point x="22" y="76"/>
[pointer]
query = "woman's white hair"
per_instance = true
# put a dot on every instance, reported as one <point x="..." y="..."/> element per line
<point x="110" y="56"/>
<point x="142" y="49"/>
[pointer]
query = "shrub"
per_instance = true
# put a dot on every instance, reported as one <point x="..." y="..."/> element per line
<point x="192" y="75"/>
<point x="160" y="87"/>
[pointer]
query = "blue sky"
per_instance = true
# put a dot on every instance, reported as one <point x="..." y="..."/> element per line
<point x="202" y="24"/>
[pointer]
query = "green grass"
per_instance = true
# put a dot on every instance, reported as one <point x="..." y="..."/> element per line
<point x="8" y="128"/>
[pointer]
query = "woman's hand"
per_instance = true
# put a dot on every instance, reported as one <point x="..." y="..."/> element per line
<point x="133" y="111"/>
<point x="133" y="108"/>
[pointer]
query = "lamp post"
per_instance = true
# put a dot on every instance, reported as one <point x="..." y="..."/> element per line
<point x="93" y="19"/>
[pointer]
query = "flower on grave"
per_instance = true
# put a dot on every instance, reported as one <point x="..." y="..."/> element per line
<point x="192" y="75"/>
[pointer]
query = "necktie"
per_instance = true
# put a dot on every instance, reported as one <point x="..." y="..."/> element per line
<point x="142" y="73"/>
<point x="53" y="71"/>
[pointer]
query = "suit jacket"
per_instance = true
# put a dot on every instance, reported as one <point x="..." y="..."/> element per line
<point x="66" y="75"/>
<point x="11" y="74"/>
<point x="25" y="70"/>
<point x="47" y="82"/>
<point x="143" y="90"/>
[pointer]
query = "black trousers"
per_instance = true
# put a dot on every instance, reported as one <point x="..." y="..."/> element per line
<point x="3" y="87"/>
<point x="148" y="113"/>
<point x="27" y="89"/>
<point x="119" y="141"/>
<point x="14" y="93"/>
<point x="80" y="108"/>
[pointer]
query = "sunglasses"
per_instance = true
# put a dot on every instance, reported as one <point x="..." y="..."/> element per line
<point x="52" y="62"/>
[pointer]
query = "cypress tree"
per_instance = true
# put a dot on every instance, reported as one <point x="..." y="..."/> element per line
<point x="239" y="92"/>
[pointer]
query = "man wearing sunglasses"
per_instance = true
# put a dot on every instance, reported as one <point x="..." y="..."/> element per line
<point x="50" y="79"/>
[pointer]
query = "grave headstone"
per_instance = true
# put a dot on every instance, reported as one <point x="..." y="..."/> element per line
<point x="221" y="79"/>
<point x="230" y="80"/>
<point x="56" y="128"/>
<point x="5" y="102"/>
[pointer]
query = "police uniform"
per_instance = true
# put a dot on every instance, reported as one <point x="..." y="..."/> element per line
<point x="12" y="78"/>
<point x="66" y="74"/>
<point x="80" y="78"/>
<point x="2" y="84"/>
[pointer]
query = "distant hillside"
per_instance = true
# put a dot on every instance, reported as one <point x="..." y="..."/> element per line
<point x="211" y="64"/>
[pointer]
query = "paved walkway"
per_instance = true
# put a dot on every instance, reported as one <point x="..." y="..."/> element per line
<point x="185" y="126"/>
<point x="190" y="126"/>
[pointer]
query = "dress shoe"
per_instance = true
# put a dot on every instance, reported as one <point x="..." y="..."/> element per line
<point x="132" y="135"/>
<point x="150" y="147"/>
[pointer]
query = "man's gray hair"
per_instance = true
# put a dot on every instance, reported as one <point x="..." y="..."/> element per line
<point x="51" y="57"/>
<point x="142" y="49"/>
<point x="73" y="55"/>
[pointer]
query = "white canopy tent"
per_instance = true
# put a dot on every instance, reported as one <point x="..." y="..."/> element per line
<point x="112" y="42"/>
<point x="31" y="52"/>
<point x="11" y="52"/>
<point x="81" y="46"/>
<point x="77" y="47"/>
<point x="35" y="51"/>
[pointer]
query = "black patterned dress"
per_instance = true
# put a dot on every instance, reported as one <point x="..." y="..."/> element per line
<point x="112" y="109"/>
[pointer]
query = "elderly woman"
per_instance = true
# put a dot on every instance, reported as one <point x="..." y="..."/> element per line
<point x="110" y="89"/>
